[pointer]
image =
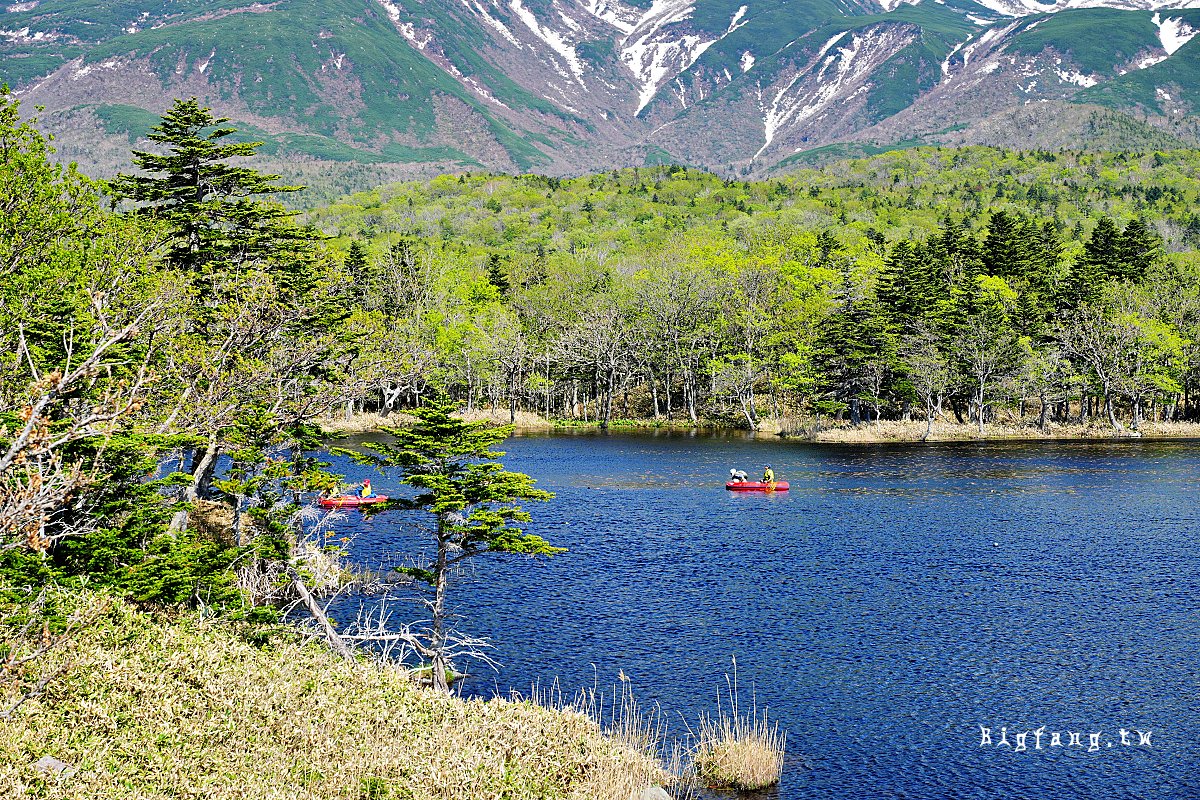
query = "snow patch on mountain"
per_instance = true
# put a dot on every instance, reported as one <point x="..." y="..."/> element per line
<point x="25" y="36"/>
<point x="1025" y="8"/>
<point x="829" y="78"/>
<point x="495" y="24"/>
<point x="17" y="8"/>
<point x="203" y="65"/>
<point x="892" y="5"/>
<point x="82" y="72"/>
<point x="1077" y="78"/>
<point x="950" y="55"/>
<point x="747" y="61"/>
<point x="1173" y="32"/>
<point x="618" y="15"/>
<point x="653" y="53"/>
<point x="551" y="37"/>
<point x="737" y="21"/>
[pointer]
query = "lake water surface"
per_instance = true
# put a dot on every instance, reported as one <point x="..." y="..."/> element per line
<point x="897" y="600"/>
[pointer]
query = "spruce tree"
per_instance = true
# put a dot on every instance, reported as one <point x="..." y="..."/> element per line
<point x="1138" y="250"/>
<point x="205" y="200"/>
<point x="472" y="499"/>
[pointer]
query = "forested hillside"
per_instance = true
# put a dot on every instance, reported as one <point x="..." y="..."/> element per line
<point x="971" y="282"/>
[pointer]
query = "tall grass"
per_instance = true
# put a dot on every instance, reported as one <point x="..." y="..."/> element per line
<point x="738" y="749"/>
<point x="149" y="707"/>
<point x="639" y="730"/>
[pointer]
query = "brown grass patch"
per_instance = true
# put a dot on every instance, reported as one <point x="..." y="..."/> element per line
<point x="151" y="708"/>
<point x="896" y="431"/>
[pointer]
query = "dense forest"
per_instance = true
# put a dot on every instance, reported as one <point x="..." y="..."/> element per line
<point x="972" y="283"/>
<point x="164" y="323"/>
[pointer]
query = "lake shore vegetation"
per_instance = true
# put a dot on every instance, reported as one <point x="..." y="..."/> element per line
<point x="169" y="342"/>
<point x="149" y="704"/>
<point x="975" y="285"/>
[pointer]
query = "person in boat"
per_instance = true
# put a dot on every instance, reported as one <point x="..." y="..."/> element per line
<point x="737" y="475"/>
<point x="366" y="490"/>
<point x="768" y="474"/>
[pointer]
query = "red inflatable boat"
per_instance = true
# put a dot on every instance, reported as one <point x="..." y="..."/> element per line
<point x="350" y="501"/>
<point x="756" y="486"/>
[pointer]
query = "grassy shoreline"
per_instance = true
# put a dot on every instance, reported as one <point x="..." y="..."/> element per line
<point x="152" y="706"/>
<point x="810" y="430"/>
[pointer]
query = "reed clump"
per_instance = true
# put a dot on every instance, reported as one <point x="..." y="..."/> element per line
<point x="738" y="749"/>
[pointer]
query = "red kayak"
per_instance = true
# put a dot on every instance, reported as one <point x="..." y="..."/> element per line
<point x="756" y="486"/>
<point x="350" y="501"/>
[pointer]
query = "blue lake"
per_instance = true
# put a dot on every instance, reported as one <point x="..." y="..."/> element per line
<point x="894" y="603"/>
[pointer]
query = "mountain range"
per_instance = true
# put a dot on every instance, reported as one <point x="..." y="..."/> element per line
<point x="563" y="86"/>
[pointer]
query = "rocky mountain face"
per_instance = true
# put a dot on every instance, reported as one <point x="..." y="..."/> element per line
<point x="560" y="86"/>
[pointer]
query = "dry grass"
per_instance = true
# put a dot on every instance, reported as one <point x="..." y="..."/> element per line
<point x="525" y="420"/>
<point x="150" y="708"/>
<point x="365" y="422"/>
<point x="896" y="431"/>
<point x="639" y="730"/>
<point x="737" y="749"/>
<point x="368" y="422"/>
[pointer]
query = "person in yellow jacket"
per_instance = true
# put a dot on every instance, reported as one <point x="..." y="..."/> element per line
<point x="366" y="490"/>
<point x="768" y="475"/>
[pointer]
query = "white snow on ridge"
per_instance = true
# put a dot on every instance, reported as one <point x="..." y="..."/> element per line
<point x="620" y="17"/>
<point x="24" y="35"/>
<point x="1077" y="78"/>
<point x="391" y="8"/>
<point x="950" y="55"/>
<point x="1173" y="32"/>
<point x="747" y="61"/>
<point x="17" y="8"/>
<point x="828" y="76"/>
<point x="649" y="60"/>
<point x="495" y="24"/>
<point x="551" y="37"/>
<point x="892" y="5"/>
<point x="203" y="65"/>
<point x="1024" y="8"/>
<point x="81" y="72"/>
<point x="733" y="23"/>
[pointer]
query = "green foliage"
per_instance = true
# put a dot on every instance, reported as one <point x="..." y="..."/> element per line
<point x="1097" y="40"/>
<point x="471" y="496"/>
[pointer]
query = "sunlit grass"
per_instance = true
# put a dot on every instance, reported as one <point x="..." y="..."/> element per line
<point x="738" y="749"/>
<point x="150" y="707"/>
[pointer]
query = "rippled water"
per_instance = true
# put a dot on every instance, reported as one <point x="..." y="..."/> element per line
<point x="896" y="600"/>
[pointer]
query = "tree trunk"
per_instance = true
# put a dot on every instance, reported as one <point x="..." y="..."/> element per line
<point x="201" y="476"/>
<point x="331" y="635"/>
<point x="1112" y="414"/>
<point x="437" y="634"/>
<point x="980" y="402"/>
<point x="928" y="419"/>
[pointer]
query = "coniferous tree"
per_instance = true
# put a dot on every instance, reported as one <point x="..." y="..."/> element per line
<point x="356" y="262"/>
<point x="1138" y="250"/>
<point x="496" y="276"/>
<point x="203" y="199"/>
<point x="472" y="498"/>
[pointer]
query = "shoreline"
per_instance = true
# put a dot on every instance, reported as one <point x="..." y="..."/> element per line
<point x="803" y="430"/>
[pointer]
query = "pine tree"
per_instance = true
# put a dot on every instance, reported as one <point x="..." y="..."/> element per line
<point x="471" y="498"/>
<point x="496" y="276"/>
<point x="203" y="199"/>
<point x="1138" y="250"/>
<point x="1099" y="262"/>
<point x="1006" y="249"/>
<point x="356" y="262"/>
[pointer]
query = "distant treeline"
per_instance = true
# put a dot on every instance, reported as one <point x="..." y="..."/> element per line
<point x="958" y="282"/>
